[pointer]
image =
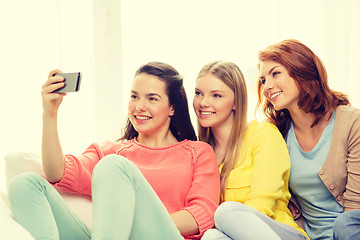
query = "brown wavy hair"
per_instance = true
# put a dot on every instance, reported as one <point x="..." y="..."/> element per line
<point x="310" y="76"/>
<point x="230" y="74"/>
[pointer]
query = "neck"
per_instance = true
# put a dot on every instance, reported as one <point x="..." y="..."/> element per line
<point x="302" y="121"/>
<point x="157" y="140"/>
<point x="222" y="132"/>
<point x="221" y="135"/>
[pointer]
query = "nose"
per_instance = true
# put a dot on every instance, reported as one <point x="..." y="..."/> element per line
<point x="205" y="102"/>
<point x="269" y="84"/>
<point x="141" y="106"/>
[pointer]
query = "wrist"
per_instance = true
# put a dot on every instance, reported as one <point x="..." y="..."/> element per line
<point x="49" y="115"/>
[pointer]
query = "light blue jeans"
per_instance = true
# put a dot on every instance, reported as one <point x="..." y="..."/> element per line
<point x="124" y="206"/>
<point x="234" y="220"/>
<point x="347" y="226"/>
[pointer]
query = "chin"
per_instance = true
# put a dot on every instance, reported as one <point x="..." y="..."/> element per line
<point x="205" y="125"/>
<point x="278" y="108"/>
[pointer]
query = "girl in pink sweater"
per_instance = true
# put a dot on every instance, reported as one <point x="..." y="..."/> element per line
<point x="154" y="183"/>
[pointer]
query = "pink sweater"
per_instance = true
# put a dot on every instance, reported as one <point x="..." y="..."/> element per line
<point x="185" y="175"/>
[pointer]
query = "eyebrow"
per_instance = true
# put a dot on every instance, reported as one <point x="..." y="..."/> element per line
<point x="217" y="90"/>
<point x="148" y="95"/>
<point x="271" y="70"/>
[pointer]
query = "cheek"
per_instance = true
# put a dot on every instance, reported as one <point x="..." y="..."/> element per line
<point x="195" y="103"/>
<point x="265" y="93"/>
<point x="131" y="107"/>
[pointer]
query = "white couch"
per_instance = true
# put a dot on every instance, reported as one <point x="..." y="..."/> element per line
<point x="17" y="163"/>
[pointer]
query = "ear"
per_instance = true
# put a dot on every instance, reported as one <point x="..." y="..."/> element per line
<point x="172" y="111"/>
<point x="234" y="107"/>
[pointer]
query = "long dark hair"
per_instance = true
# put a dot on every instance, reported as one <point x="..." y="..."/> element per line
<point x="310" y="76"/>
<point x="180" y="124"/>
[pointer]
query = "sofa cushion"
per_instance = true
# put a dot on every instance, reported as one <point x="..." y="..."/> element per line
<point x="20" y="162"/>
<point x="10" y="229"/>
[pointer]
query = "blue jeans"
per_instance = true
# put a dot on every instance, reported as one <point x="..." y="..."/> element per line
<point x="347" y="226"/>
<point x="124" y="206"/>
<point x="234" y="220"/>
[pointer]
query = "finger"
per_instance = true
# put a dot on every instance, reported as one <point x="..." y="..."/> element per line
<point x="52" y="87"/>
<point x="52" y="72"/>
<point x="53" y="80"/>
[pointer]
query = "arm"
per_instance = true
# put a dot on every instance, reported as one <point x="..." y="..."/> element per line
<point x="185" y="222"/>
<point x="203" y="197"/>
<point x="270" y="174"/>
<point x="52" y="155"/>
<point x="352" y="188"/>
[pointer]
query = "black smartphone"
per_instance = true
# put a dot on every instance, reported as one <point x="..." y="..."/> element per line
<point x="72" y="82"/>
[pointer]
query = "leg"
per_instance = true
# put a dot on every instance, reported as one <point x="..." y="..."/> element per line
<point x="347" y="226"/>
<point x="214" y="234"/>
<point x="38" y="207"/>
<point x="239" y="221"/>
<point x="125" y="206"/>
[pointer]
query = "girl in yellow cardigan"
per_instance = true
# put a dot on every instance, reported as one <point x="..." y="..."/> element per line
<point x="252" y="157"/>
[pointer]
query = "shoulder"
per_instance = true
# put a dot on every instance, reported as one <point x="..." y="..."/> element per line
<point x="262" y="128"/>
<point x="201" y="150"/>
<point x="198" y="145"/>
<point x="347" y="117"/>
<point x="346" y="112"/>
<point x="110" y="147"/>
<point x="263" y="135"/>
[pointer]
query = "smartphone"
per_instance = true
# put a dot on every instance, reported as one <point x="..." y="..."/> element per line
<point x="72" y="82"/>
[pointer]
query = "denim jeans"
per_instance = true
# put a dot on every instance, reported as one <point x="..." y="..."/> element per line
<point x="347" y="226"/>
<point x="124" y="206"/>
<point x="234" y="220"/>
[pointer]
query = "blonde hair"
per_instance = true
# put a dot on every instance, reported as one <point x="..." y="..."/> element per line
<point x="230" y="74"/>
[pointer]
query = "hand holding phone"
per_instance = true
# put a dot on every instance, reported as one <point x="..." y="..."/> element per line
<point x="71" y="80"/>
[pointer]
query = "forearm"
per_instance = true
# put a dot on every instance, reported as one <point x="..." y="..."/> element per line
<point x="52" y="155"/>
<point x="185" y="222"/>
<point x="349" y="209"/>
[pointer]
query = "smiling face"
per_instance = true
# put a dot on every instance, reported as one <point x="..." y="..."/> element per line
<point x="149" y="110"/>
<point x="213" y="101"/>
<point x="278" y="87"/>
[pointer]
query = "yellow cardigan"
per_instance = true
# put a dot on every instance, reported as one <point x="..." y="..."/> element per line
<point x="261" y="175"/>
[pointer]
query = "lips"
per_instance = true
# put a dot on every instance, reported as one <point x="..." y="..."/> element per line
<point x="206" y="113"/>
<point x="274" y="95"/>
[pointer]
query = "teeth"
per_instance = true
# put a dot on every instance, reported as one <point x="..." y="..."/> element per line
<point x="142" y="117"/>
<point x="275" y="95"/>
<point x="206" y="113"/>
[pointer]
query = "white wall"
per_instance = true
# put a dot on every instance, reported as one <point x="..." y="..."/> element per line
<point x="107" y="40"/>
<point x="37" y="36"/>
<point x="189" y="34"/>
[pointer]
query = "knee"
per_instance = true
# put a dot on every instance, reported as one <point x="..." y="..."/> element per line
<point x="228" y="212"/>
<point x="112" y="164"/>
<point x="211" y="234"/>
<point x="22" y="184"/>
<point x="225" y="210"/>
<point x="228" y="208"/>
<point x="346" y="223"/>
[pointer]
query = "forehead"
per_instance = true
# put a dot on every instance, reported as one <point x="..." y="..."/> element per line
<point x="210" y="82"/>
<point x="267" y="65"/>
<point x="148" y="83"/>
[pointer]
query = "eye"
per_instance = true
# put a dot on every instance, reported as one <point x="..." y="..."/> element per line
<point x="197" y="93"/>
<point x="133" y="96"/>
<point x="275" y="73"/>
<point x="217" y="95"/>
<point x="262" y="81"/>
<point x="152" y="99"/>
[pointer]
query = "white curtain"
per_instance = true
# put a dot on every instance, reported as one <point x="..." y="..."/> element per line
<point x="107" y="40"/>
